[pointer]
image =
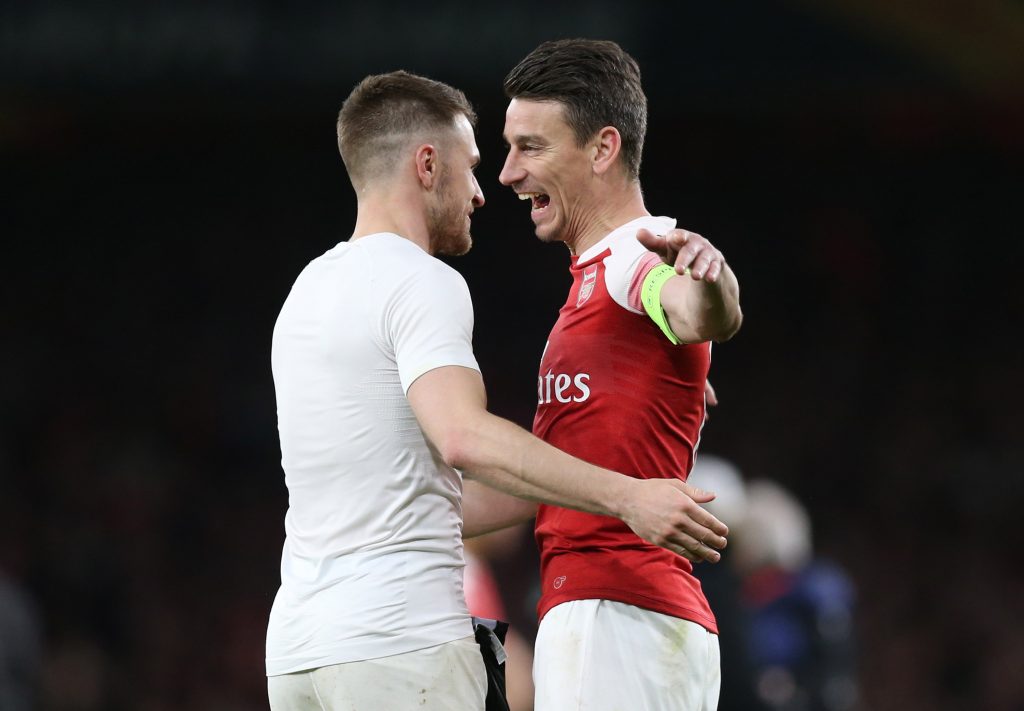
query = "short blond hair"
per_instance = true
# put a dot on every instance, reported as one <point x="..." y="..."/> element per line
<point x="384" y="111"/>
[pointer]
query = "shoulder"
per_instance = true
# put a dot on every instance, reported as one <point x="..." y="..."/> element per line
<point x="402" y="265"/>
<point x="629" y="261"/>
<point x="623" y="242"/>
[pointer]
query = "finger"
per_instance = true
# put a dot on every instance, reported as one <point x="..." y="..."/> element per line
<point x="708" y="554"/>
<point x="686" y="554"/>
<point x="706" y="260"/>
<point x="695" y="545"/>
<point x="679" y="253"/>
<point x="700" y="552"/>
<point x="700" y="265"/>
<point x="688" y="253"/>
<point x="679" y="238"/>
<point x="712" y="534"/>
<point x="699" y="524"/>
<point x="651" y="241"/>
<point x="683" y="261"/>
<point x="685" y="546"/>
<point x="711" y="539"/>
<point x="710" y="396"/>
<point x="703" y="520"/>
<point x="698" y="495"/>
<point x="714" y="271"/>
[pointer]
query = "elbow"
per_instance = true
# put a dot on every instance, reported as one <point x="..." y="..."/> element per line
<point x="455" y="447"/>
<point x="722" y="327"/>
<point x="718" y="323"/>
<point x="729" y="327"/>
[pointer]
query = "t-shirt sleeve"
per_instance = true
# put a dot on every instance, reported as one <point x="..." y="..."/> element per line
<point x="429" y="322"/>
<point x="636" y="284"/>
<point x="624" y="275"/>
<point x="630" y="262"/>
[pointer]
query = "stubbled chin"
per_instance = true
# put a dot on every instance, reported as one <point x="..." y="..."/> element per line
<point x="455" y="246"/>
<point x="544" y="226"/>
<point x="546" y="233"/>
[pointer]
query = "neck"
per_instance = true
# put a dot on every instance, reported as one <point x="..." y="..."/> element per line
<point x="610" y="211"/>
<point x="391" y="209"/>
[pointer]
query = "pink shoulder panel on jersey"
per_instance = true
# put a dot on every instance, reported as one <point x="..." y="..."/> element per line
<point x="645" y="265"/>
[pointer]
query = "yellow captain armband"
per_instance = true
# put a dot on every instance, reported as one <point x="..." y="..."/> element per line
<point x="650" y="295"/>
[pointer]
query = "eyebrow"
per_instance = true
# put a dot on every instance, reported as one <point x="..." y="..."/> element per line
<point x="526" y="138"/>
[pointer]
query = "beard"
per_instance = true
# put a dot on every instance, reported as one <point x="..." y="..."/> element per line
<point x="446" y="222"/>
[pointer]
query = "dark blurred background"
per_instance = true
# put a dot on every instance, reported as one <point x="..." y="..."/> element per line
<point x="169" y="167"/>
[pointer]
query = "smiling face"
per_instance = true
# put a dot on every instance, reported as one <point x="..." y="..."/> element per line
<point x="546" y="166"/>
<point x="457" y="193"/>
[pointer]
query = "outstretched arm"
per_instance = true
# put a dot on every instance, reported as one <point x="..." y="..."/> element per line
<point x="450" y="404"/>
<point x="702" y="300"/>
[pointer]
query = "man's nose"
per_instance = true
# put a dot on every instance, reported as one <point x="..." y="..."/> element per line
<point x="478" y="194"/>
<point x="510" y="173"/>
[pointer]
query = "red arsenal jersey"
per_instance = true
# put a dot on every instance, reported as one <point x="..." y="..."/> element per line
<point x="613" y="391"/>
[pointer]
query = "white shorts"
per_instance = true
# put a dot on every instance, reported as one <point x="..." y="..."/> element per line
<point x="599" y="655"/>
<point x="442" y="678"/>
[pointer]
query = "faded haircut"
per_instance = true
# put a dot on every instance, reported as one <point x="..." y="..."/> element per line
<point x="384" y="111"/>
<point x="596" y="81"/>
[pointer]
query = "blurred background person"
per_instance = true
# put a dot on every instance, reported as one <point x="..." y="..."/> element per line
<point x="791" y="645"/>
<point x="800" y="606"/>
<point x="21" y="649"/>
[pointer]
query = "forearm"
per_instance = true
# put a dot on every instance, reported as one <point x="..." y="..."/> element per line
<point x="485" y="509"/>
<point x="506" y="457"/>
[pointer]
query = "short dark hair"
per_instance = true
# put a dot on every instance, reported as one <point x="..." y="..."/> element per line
<point x="596" y="81"/>
<point x="383" y="110"/>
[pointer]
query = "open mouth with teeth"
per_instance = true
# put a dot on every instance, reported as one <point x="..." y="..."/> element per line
<point x="539" y="200"/>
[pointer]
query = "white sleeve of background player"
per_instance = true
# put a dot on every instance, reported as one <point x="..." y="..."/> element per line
<point x="625" y="269"/>
<point x="429" y="321"/>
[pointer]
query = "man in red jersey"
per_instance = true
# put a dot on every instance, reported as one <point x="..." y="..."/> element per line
<point x="624" y="624"/>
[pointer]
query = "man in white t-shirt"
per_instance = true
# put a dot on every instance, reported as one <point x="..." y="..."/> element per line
<point x="379" y="401"/>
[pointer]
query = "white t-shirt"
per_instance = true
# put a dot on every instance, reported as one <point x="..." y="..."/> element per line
<point x="372" y="562"/>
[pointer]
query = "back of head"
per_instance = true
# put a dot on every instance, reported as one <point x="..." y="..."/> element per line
<point x="385" y="112"/>
<point x="776" y="530"/>
<point x="599" y="85"/>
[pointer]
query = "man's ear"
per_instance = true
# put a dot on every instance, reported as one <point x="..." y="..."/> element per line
<point x="606" y="146"/>
<point x="427" y="165"/>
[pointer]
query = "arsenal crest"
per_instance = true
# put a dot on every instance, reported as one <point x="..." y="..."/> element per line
<point x="587" y="287"/>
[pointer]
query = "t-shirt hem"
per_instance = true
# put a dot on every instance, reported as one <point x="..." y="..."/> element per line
<point x="648" y="603"/>
<point x="425" y="368"/>
<point x="278" y="666"/>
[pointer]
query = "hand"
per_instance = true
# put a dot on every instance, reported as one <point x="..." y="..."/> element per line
<point x="667" y="513"/>
<point x="709" y="394"/>
<point x="710" y="399"/>
<point x="687" y="251"/>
